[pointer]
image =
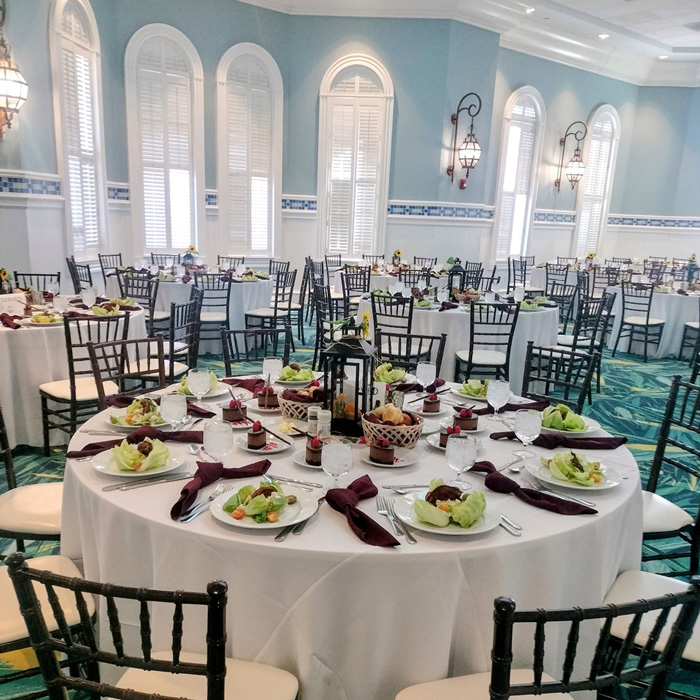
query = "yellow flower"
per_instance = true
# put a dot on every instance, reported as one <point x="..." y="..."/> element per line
<point x="693" y="258"/>
<point x="397" y="253"/>
<point x="365" y="325"/>
<point x="590" y="256"/>
<point x="3" y="274"/>
<point x="192" y="249"/>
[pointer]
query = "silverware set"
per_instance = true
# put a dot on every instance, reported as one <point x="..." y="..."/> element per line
<point x="538" y="487"/>
<point x="385" y="507"/>
<point x="140" y="483"/>
<point x="296" y="529"/>
<point x="198" y="508"/>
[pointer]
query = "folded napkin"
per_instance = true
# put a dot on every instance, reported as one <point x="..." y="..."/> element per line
<point x="682" y="291"/>
<point x="495" y="481"/>
<point x="415" y="386"/>
<point x="550" y="441"/>
<point x="209" y="472"/>
<point x="78" y="304"/>
<point x="316" y="396"/>
<point x="529" y="406"/>
<point x="446" y="305"/>
<point x="120" y="401"/>
<point x="345" y="501"/>
<point x="136" y="436"/>
<point x="185" y="279"/>
<point x="77" y="314"/>
<point x="252" y="384"/>
<point x="8" y="320"/>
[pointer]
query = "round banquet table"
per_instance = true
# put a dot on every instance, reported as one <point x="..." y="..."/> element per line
<point x="382" y="281"/>
<point x="538" y="277"/>
<point x="673" y="308"/>
<point x="30" y="357"/>
<point x="352" y="621"/>
<point x="539" y="326"/>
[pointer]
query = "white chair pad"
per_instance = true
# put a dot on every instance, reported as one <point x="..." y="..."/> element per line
<point x="293" y="306"/>
<point x="212" y="316"/>
<point x="631" y="586"/>
<point x="161" y="315"/>
<point x="399" y="348"/>
<point x="85" y="389"/>
<point x="178" y="346"/>
<point x="568" y="340"/>
<point x="641" y="321"/>
<point x="336" y="295"/>
<point x="472" y="687"/>
<point x="661" y="515"/>
<point x="491" y="358"/>
<point x="693" y="324"/>
<point x="244" y="680"/>
<point x="12" y="627"/>
<point x="35" y="508"/>
<point x="355" y="300"/>
<point x="142" y="367"/>
<point x="266" y="313"/>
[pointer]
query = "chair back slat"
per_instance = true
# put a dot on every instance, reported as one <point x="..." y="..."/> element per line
<point x="424" y="262"/>
<point x="178" y="618"/>
<point x="654" y="637"/>
<point x="165" y="260"/>
<point x="628" y="643"/>
<point x="145" y="630"/>
<point x="406" y="351"/>
<point x="59" y="615"/>
<point x="570" y="653"/>
<point x="85" y="621"/>
<point x="39" y="281"/>
<point x="601" y="650"/>
<point x="538" y="653"/>
<point x="277" y="267"/>
<point x="6" y="454"/>
<point x="392" y="313"/>
<point x="115" y="626"/>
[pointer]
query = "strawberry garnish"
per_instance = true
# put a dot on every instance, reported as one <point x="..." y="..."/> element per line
<point x="433" y="397"/>
<point x="465" y="413"/>
<point x="234" y="404"/>
<point x="457" y="430"/>
<point x="450" y="430"/>
<point x="383" y="442"/>
<point x="314" y="382"/>
<point x="315" y="443"/>
<point x="257" y="426"/>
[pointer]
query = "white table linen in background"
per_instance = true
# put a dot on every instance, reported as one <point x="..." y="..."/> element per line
<point x="352" y="621"/>
<point x="30" y="357"/>
<point x="538" y="277"/>
<point x="538" y="326"/>
<point x="383" y="281"/>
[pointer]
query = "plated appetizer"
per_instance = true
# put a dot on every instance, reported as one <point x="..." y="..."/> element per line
<point x="295" y="373"/>
<point x="445" y="505"/>
<point x="475" y="388"/>
<point x="572" y="467"/>
<point x="46" y="319"/>
<point x="262" y="505"/>
<point x="147" y="455"/>
<point x="388" y="375"/>
<point x="139" y="412"/>
<point x="561" y="417"/>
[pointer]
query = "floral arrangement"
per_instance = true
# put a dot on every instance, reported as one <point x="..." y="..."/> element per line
<point x="5" y="281"/>
<point x="192" y="250"/>
<point x="397" y="253"/>
<point x="590" y="256"/>
<point x="365" y="325"/>
<point x="693" y="258"/>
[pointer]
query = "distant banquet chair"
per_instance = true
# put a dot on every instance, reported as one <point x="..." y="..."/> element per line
<point x="414" y="278"/>
<point x="80" y="275"/>
<point x="165" y="260"/>
<point x="637" y="322"/>
<point x="555" y="274"/>
<point x="229" y="262"/>
<point x="181" y="344"/>
<point x="143" y="290"/>
<point x="407" y="351"/>
<point x="424" y="263"/>
<point x="277" y="267"/>
<point x="253" y="345"/>
<point x="373" y="259"/>
<point x="355" y="282"/>
<point x="518" y="276"/>
<point x="566" y="261"/>
<point x="279" y="312"/>
<point x="690" y="338"/>
<point x="39" y="281"/>
<point x="216" y="304"/>
<point x="109" y="264"/>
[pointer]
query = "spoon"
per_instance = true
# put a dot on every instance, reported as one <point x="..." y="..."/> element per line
<point x="194" y="450"/>
<point x="520" y="455"/>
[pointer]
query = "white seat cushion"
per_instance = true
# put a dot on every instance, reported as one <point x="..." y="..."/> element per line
<point x="35" y="508"/>
<point x="473" y="687"/>
<point x="178" y="346"/>
<point x="490" y="358"/>
<point x="641" y="321"/>
<point x="85" y="389"/>
<point x="161" y="315"/>
<point x="661" y="515"/>
<point x="245" y="680"/>
<point x="142" y="366"/>
<point x="355" y="300"/>
<point x="693" y="324"/>
<point x="568" y="340"/>
<point x="399" y="348"/>
<point x="12" y="627"/>
<point x="637" y="585"/>
<point x="336" y="295"/>
<point x="265" y="313"/>
<point x="293" y="306"/>
<point x="212" y="316"/>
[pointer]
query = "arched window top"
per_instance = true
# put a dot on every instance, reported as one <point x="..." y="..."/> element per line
<point x="605" y="120"/>
<point x="526" y="104"/>
<point x="249" y="65"/>
<point x="357" y="74"/>
<point x="75" y="20"/>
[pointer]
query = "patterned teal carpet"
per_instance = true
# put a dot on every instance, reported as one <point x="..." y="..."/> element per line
<point x="631" y="403"/>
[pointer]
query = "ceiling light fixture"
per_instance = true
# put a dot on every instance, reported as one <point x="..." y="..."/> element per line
<point x="13" y="87"/>
<point x="575" y="167"/>
<point x="662" y="58"/>
<point x="602" y="37"/>
<point x="529" y="10"/>
<point x="470" y="150"/>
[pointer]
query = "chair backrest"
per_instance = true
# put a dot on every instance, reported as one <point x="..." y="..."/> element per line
<point x="229" y="262"/>
<point x="277" y="267"/>
<point x="141" y="288"/>
<point x="165" y="260"/>
<point x="587" y="322"/>
<point x="355" y="281"/>
<point x="39" y="281"/>
<point x="334" y="261"/>
<point x="486" y="284"/>
<point x="415" y="278"/>
<point x="681" y="262"/>
<point x="636" y="299"/>
<point x="6" y="454"/>
<point x="130" y="364"/>
<point x="85" y="646"/>
<point x="623" y="261"/>
<point x="557" y="375"/>
<point x="183" y="333"/>
<point x="216" y="290"/>
<point x="424" y="262"/>
<point x="609" y="667"/>
<point x="284" y="292"/>
<point x="80" y="275"/>
<point x="529" y="259"/>
<point x="561" y="260"/>
<point x="657" y="258"/>
<point x="254" y="345"/>
<point x="602" y="278"/>
<point x="492" y="326"/>
<point x="373" y="259"/>
<point x="472" y="266"/>
<point x="109" y="263"/>
<point x="392" y="313"/>
<point x="565" y="296"/>
<point x="407" y="351"/>
<point x="517" y="273"/>
<point x="655" y="270"/>
<point x="555" y="274"/>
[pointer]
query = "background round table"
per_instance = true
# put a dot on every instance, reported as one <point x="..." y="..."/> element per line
<point x="383" y="281"/>
<point x="353" y="621"/>
<point x="538" y="326"/>
<point x="30" y="357"/>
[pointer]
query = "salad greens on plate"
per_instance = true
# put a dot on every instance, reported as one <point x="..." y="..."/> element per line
<point x="529" y="305"/>
<point x="183" y="389"/>
<point x="295" y="373"/>
<point x="569" y="466"/>
<point x="263" y="504"/>
<point x="422" y="303"/>
<point x="139" y="412"/>
<point x="149" y="454"/>
<point x="561" y="417"/>
<point x="387" y="374"/>
<point x="447" y="504"/>
<point x="475" y="387"/>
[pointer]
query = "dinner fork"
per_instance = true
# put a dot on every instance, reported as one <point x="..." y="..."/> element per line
<point x="411" y="539"/>
<point x="198" y="509"/>
<point x="565" y="497"/>
<point x="383" y="509"/>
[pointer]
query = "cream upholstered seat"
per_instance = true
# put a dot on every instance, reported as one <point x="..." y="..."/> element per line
<point x="244" y="680"/>
<point x="491" y="358"/>
<point x="266" y="313"/>
<point x="693" y="324"/>
<point x="35" y="509"/>
<point x="472" y="687"/>
<point x="641" y="321"/>
<point x="661" y="515"/>
<point x="212" y="316"/>
<point x="568" y="340"/>
<point x="85" y="389"/>
<point x="637" y="585"/>
<point x="12" y="627"/>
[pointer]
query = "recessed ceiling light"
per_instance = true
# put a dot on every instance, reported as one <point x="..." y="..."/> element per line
<point x="603" y="36"/>
<point x="663" y="58"/>
<point x="529" y="10"/>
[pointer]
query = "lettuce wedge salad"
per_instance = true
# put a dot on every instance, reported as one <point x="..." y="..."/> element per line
<point x="447" y="504"/>
<point x="139" y="412"/>
<point x="475" y="387"/>
<point x="569" y="466"/>
<point x="183" y="389"/>
<point x="295" y="373"/>
<point x="263" y="504"/>
<point x="387" y="374"/>
<point x="561" y="417"/>
<point x="147" y="455"/>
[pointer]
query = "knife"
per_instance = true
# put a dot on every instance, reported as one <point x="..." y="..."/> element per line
<point x="295" y="481"/>
<point x="146" y="482"/>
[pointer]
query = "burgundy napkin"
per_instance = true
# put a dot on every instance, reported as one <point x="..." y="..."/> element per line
<point x="186" y="279"/>
<point x="77" y="314"/>
<point x="345" y="501"/>
<point x="136" y="436"/>
<point x="495" y="481"/>
<point x="682" y="291"/>
<point x="316" y="397"/>
<point x="529" y="406"/>
<point x="419" y="387"/>
<point x="447" y="305"/>
<point x="209" y="472"/>
<point x="78" y="304"/>
<point x="253" y="384"/>
<point x="120" y="401"/>
<point x="550" y="441"/>
<point x="8" y="320"/>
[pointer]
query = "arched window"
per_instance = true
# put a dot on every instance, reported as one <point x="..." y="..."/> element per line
<point x="165" y="121"/>
<point x="521" y="153"/>
<point x="75" y="49"/>
<point x="354" y="147"/>
<point x="593" y="202"/>
<point x="250" y="106"/>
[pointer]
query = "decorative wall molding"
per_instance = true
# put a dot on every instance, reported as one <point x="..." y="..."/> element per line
<point x="17" y="182"/>
<point x="211" y="199"/>
<point x="439" y="210"/>
<point x="551" y="216"/>
<point x="665" y="222"/>
<point x="118" y="191"/>
<point x="300" y="203"/>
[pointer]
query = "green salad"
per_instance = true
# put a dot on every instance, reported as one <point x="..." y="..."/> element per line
<point x="112" y="310"/>
<point x="139" y="412"/>
<point x="475" y="387"/>
<point x="294" y="373"/>
<point x="561" y="417"/>
<point x="447" y="504"/>
<point x="422" y="303"/>
<point x="387" y="374"/>
<point x="529" y="305"/>
<point x="165" y="277"/>
<point x="149" y="454"/>
<point x="569" y="466"/>
<point x="126" y="301"/>
<point x="540" y="300"/>
<point x="182" y="389"/>
<point x="262" y="504"/>
<point x="381" y="293"/>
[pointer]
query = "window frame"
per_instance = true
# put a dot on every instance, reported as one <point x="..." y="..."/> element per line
<point x="56" y="44"/>
<point x="534" y="95"/>
<point x="236" y="52"/>
<point x="136" y="181"/>
<point x="326" y="96"/>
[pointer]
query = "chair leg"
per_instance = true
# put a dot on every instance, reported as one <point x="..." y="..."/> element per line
<point x="45" y="424"/>
<point x="617" y="340"/>
<point x="646" y="342"/>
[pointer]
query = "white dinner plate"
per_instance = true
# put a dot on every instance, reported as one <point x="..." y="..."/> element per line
<point x="30" y="324"/>
<point x="219" y="390"/>
<point x="129" y="428"/>
<point x="252" y="405"/>
<point x="303" y="509"/>
<point x="611" y="478"/>
<point x="403" y="457"/>
<point x="430" y="427"/>
<point x="272" y="447"/>
<point x="467" y="397"/>
<point x="434" y="441"/>
<point x="104" y="463"/>
<point x="404" y="511"/>
<point x="592" y="426"/>
<point x="300" y="459"/>
<point x="482" y="427"/>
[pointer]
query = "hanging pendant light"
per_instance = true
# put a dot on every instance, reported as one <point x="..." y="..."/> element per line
<point x="469" y="152"/>
<point x="575" y="168"/>
<point x="13" y="87"/>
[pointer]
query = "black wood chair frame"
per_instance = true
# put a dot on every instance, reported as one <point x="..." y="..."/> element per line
<point x="637" y="298"/>
<point x="254" y="345"/>
<point x="39" y="281"/>
<point x="406" y="351"/>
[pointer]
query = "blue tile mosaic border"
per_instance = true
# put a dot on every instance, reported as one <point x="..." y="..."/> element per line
<point x="658" y="221"/>
<point x="118" y="193"/>
<point x="22" y="184"/>
<point x="211" y="199"/>
<point x="441" y="211"/>
<point x="554" y="217"/>
<point x="298" y="204"/>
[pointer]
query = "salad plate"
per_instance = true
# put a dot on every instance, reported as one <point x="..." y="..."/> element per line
<point x="105" y="463"/>
<point x="611" y="478"/>
<point x="252" y="405"/>
<point x="403" y="457"/>
<point x="216" y="387"/>
<point x="297" y="378"/>
<point x="129" y="428"/>
<point x="306" y="505"/>
<point x="434" y="441"/>
<point x="592" y="426"/>
<point x="140" y="412"/>
<point x="300" y="459"/>
<point x="462" y="395"/>
<point x="31" y="323"/>
<point x="273" y="446"/>
<point x="430" y="427"/>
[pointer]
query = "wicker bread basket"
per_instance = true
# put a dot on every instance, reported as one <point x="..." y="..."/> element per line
<point x="296" y="410"/>
<point x="398" y="435"/>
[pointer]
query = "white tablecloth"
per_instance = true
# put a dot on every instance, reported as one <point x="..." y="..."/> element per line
<point x="383" y="281"/>
<point x="30" y="357"/>
<point x="538" y="326"/>
<point x="538" y="277"/>
<point x="675" y="309"/>
<point x="351" y="621"/>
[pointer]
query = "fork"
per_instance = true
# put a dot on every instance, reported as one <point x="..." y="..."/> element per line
<point x="196" y="510"/>
<point x="383" y="509"/>
<point x="411" y="539"/>
<point x="538" y="487"/>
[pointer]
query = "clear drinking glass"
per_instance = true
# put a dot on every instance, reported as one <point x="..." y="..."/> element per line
<point x="336" y="460"/>
<point x="173" y="409"/>
<point x="489" y="297"/>
<point x="497" y="394"/>
<point x="460" y="453"/>
<point x="89" y="296"/>
<point x="425" y="373"/>
<point x="442" y="294"/>
<point x="527" y="426"/>
<point x="519" y="293"/>
<point x="60" y="303"/>
<point x="198" y="383"/>
<point x="273" y="367"/>
<point x="218" y="438"/>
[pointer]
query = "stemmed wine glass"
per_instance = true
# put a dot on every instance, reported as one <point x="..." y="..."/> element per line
<point x="425" y="374"/>
<point x="198" y="383"/>
<point x="173" y="409"/>
<point x="497" y="394"/>
<point x="272" y="367"/>
<point x="218" y="438"/>
<point x="461" y="455"/>
<point x="336" y="460"/>
<point x="527" y="427"/>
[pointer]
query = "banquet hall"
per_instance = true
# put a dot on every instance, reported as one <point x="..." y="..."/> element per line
<point x="363" y="349"/>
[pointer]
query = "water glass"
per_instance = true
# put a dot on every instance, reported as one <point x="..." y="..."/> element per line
<point x="460" y="453"/>
<point x="425" y="373"/>
<point x="198" y="382"/>
<point x="489" y="297"/>
<point x="272" y="367"/>
<point x="336" y="460"/>
<point x="519" y="293"/>
<point x="497" y="394"/>
<point x="218" y="438"/>
<point x="60" y="303"/>
<point x="173" y="409"/>
<point x="527" y="427"/>
<point x="442" y="294"/>
<point x="89" y="296"/>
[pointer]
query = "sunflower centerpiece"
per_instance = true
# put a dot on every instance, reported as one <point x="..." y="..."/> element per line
<point x="5" y="281"/>
<point x="396" y="257"/>
<point x="190" y="256"/>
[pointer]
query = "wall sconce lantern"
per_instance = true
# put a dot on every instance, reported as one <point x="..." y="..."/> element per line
<point x="13" y="87"/>
<point x="575" y="168"/>
<point x="470" y="150"/>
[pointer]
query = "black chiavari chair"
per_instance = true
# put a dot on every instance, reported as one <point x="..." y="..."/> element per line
<point x="487" y="284"/>
<point x="565" y="296"/>
<point x="562" y="260"/>
<point x="39" y="281"/>
<point x="637" y="323"/>
<point x="216" y="304"/>
<point x="415" y="278"/>
<point x="181" y="345"/>
<point x="254" y="345"/>
<point x="165" y="260"/>
<point x="691" y="338"/>
<point x="601" y="278"/>
<point x="80" y="275"/>
<point x="143" y="289"/>
<point x="373" y="259"/>
<point x="407" y="351"/>
<point x="279" y="313"/>
<point x="355" y="280"/>
<point x="278" y="267"/>
<point x="229" y="262"/>
<point x="392" y="314"/>
<point x="424" y="263"/>
<point x="109" y="264"/>
<point x="529" y="259"/>
<point x="332" y="263"/>
<point x="655" y="270"/>
<point x="555" y="274"/>
<point x="518" y="277"/>
<point x="622" y="261"/>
